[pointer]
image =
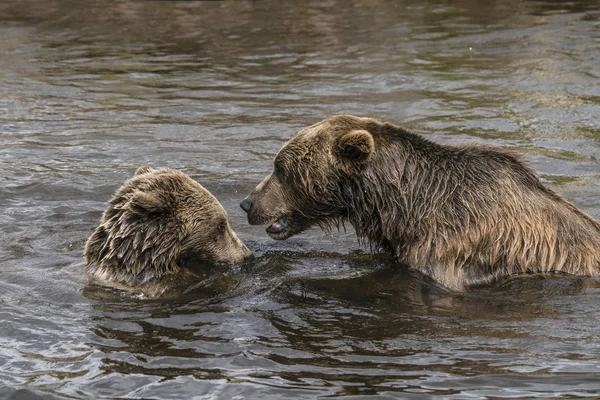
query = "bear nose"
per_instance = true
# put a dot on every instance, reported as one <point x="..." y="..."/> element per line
<point x="246" y="205"/>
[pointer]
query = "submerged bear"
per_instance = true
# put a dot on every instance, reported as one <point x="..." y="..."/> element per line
<point x="464" y="215"/>
<point x="156" y="221"/>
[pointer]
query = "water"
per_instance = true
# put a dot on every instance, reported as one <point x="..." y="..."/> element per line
<point x="91" y="90"/>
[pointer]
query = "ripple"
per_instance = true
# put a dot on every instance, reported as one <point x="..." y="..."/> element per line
<point x="89" y="94"/>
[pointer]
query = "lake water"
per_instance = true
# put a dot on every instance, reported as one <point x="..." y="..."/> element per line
<point x="91" y="90"/>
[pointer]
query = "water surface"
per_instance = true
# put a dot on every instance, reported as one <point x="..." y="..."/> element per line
<point x="91" y="90"/>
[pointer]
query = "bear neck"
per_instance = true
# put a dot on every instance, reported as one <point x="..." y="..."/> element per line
<point x="456" y="212"/>
<point x="402" y="184"/>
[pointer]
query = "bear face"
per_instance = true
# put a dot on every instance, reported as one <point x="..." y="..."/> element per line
<point x="306" y="183"/>
<point x="464" y="215"/>
<point x="156" y="221"/>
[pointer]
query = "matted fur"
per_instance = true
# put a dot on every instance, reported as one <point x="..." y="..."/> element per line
<point x="154" y="221"/>
<point x="465" y="215"/>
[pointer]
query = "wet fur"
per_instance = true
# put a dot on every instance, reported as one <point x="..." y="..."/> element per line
<point x="465" y="215"/>
<point x="154" y="222"/>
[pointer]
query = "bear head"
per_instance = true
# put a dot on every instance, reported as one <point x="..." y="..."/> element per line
<point x="309" y="183"/>
<point x="157" y="220"/>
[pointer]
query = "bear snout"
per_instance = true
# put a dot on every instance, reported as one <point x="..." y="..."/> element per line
<point x="246" y="204"/>
<point x="248" y="255"/>
<point x="240" y="255"/>
<point x="253" y="214"/>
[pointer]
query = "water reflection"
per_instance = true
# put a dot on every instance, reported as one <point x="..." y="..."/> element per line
<point x="375" y="328"/>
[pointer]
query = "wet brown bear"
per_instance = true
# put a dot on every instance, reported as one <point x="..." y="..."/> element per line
<point x="157" y="219"/>
<point x="465" y="215"/>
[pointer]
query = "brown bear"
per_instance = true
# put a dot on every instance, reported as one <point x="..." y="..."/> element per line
<point x="464" y="215"/>
<point x="155" y="221"/>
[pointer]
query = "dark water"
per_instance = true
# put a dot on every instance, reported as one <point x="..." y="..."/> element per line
<point x="91" y="90"/>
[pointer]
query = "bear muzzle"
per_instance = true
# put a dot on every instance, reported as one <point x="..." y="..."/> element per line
<point x="247" y="255"/>
<point x="255" y="215"/>
<point x="280" y="221"/>
<point x="246" y="205"/>
<point x="277" y="226"/>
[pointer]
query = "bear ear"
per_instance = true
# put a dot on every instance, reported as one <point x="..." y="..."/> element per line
<point x="144" y="169"/>
<point x="355" y="146"/>
<point x="145" y="202"/>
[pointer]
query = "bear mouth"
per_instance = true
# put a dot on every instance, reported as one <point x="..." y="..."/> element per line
<point x="288" y="225"/>
<point x="280" y="229"/>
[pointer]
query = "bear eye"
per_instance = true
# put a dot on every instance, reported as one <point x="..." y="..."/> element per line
<point x="221" y="227"/>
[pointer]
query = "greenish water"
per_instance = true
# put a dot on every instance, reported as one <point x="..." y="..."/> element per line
<point x="91" y="90"/>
